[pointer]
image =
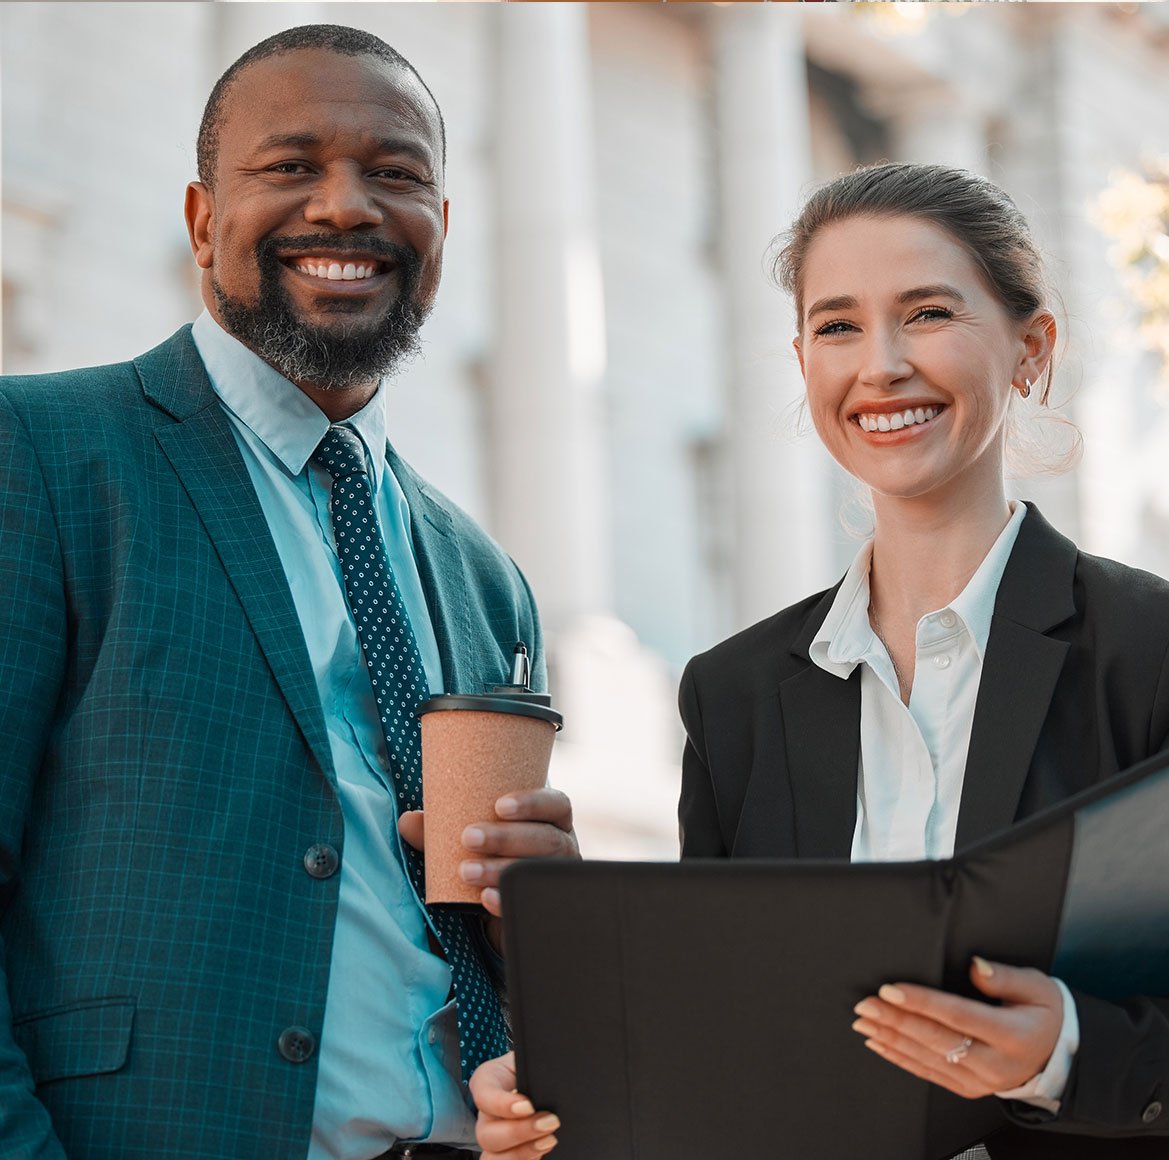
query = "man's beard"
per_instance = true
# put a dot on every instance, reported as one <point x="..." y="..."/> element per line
<point x="332" y="358"/>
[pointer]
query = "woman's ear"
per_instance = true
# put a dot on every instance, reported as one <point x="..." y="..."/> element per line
<point x="1039" y="337"/>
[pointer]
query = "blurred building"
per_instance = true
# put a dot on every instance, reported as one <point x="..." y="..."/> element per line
<point x="608" y="383"/>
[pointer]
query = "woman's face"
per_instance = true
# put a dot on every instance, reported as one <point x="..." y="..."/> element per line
<point x="908" y="357"/>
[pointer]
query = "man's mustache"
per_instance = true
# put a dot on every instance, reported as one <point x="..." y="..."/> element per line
<point x="272" y="249"/>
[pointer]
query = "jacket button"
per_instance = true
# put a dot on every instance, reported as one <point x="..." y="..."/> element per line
<point x="321" y="861"/>
<point x="1151" y="1112"/>
<point x="296" y="1044"/>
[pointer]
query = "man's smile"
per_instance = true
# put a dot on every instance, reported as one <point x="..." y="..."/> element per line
<point x="339" y="272"/>
<point x="336" y="271"/>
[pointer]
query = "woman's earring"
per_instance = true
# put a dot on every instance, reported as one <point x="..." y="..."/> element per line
<point x="1025" y="391"/>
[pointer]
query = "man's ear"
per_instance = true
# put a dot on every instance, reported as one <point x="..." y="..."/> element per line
<point x="199" y="212"/>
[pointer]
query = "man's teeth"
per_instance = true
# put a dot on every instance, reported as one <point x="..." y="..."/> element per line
<point x="335" y="271"/>
<point x="899" y="419"/>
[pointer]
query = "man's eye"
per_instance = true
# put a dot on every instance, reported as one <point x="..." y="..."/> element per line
<point x="292" y="167"/>
<point x="393" y="173"/>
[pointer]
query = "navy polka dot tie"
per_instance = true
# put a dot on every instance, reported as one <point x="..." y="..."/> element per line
<point x="399" y="687"/>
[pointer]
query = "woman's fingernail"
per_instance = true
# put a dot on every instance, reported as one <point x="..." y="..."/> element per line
<point x="545" y="1144"/>
<point x="523" y="1108"/>
<point x="507" y="807"/>
<point x="470" y="871"/>
<point x="547" y="1124"/>
<point x="873" y="1045"/>
<point x="473" y="837"/>
<point x="867" y="1007"/>
<point x="864" y="1027"/>
<point x="892" y="994"/>
<point x="983" y="967"/>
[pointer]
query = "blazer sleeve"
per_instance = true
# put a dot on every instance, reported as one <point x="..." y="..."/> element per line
<point x="1119" y="1083"/>
<point x="698" y="826"/>
<point x="32" y="663"/>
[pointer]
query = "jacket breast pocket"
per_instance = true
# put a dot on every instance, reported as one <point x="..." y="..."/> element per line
<point x="89" y="1037"/>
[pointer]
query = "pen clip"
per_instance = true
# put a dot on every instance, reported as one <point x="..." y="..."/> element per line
<point x="521" y="668"/>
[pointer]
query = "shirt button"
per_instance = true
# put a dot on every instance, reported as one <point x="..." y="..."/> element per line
<point x="296" y="1044"/>
<point x="321" y="861"/>
<point x="942" y="661"/>
<point x="947" y="620"/>
<point x="1151" y="1112"/>
<point x="432" y="1039"/>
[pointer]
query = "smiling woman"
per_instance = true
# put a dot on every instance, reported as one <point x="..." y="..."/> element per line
<point x="971" y="668"/>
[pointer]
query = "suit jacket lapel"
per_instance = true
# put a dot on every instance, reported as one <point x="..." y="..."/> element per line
<point x="204" y="454"/>
<point x="444" y="581"/>
<point x="1019" y="675"/>
<point x="821" y="720"/>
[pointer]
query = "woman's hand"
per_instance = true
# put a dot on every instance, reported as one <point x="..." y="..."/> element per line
<point x="971" y="1048"/>
<point x="509" y="1128"/>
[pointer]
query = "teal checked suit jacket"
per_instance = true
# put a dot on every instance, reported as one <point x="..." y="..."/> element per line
<point x="164" y="768"/>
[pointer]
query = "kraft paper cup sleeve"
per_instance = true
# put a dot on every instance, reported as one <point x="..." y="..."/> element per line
<point x="474" y="750"/>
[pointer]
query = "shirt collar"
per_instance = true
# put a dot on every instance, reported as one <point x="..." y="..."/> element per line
<point x="846" y="638"/>
<point x="275" y="410"/>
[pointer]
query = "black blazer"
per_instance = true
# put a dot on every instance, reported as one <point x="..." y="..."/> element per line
<point x="1075" y="688"/>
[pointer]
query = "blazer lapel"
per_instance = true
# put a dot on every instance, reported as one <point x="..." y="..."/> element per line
<point x="1019" y="675"/>
<point x="203" y="452"/>
<point x="444" y="581"/>
<point x="821" y="721"/>
<point x="821" y="716"/>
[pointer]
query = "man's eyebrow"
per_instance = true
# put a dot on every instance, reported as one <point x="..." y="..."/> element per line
<point x="917" y="294"/>
<point x="394" y="145"/>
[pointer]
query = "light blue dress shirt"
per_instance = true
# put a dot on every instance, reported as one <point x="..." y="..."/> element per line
<point x="388" y="1063"/>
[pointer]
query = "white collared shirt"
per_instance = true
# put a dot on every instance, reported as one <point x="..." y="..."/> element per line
<point x="913" y="757"/>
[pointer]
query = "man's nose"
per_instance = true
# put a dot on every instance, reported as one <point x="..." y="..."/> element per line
<point x="345" y="199"/>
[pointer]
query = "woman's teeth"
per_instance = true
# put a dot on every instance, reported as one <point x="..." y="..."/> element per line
<point x="897" y="420"/>
<point x="335" y="271"/>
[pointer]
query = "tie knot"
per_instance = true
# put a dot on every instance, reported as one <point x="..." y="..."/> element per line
<point x="341" y="452"/>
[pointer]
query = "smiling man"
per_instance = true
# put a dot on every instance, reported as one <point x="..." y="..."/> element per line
<point x="213" y="943"/>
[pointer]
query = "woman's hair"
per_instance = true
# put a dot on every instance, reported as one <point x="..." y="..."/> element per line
<point x="973" y="211"/>
<point x="978" y="215"/>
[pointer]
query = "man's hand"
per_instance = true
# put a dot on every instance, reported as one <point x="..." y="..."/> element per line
<point x="971" y="1048"/>
<point x="509" y="1128"/>
<point x="533" y="823"/>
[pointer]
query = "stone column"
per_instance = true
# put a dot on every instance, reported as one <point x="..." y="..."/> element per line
<point x="781" y="485"/>
<point x="548" y="471"/>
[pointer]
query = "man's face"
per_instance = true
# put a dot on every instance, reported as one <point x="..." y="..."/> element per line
<point x="321" y="240"/>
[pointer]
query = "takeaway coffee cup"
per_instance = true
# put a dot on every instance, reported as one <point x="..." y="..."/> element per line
<point x="476" y="749"/>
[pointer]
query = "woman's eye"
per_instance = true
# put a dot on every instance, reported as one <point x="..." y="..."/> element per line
<point x="837" y="326"/>
<point x="932" y="314"/>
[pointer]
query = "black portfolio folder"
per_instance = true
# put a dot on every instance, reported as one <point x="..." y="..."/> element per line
<point x="658" y="1006"/>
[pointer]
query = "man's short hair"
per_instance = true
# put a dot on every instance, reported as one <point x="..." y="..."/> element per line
<point x="335" y="37"/>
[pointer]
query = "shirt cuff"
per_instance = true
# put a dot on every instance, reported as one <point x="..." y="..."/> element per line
<point x="1046" y="1089"/>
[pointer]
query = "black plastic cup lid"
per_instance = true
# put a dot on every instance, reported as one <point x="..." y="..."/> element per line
<point x="491" y="703"/>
